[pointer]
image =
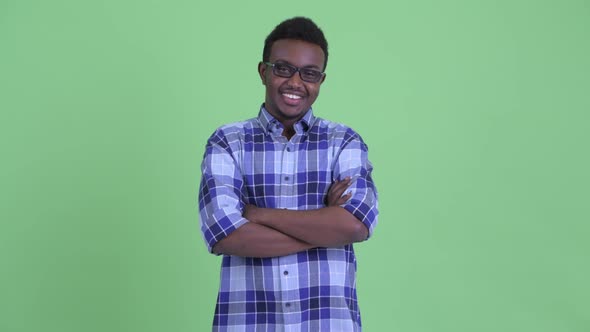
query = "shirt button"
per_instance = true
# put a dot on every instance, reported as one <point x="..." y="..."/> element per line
<point x="285" y="272"/>
<point x="287" y="304"/>
<point x="288" y="149"/>
<point x="286" y="178"/>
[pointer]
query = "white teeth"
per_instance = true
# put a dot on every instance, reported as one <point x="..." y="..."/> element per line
<point x="291" y="96"/>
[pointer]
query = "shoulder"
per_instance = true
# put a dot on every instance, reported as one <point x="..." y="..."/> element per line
<point x="234" y="132"/>
<point x="334" y="131"/>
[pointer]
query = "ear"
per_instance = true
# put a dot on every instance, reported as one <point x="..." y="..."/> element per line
<point x="262" y="72"/>
<point x="323" y="78"/>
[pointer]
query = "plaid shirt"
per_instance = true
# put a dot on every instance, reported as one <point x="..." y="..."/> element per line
<point x="250" y="162"/>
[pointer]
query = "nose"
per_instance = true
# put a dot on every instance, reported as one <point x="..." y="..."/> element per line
<point x="295" y="80"/>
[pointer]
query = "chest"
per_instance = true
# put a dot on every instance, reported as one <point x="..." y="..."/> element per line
<point x="292" y="173"/>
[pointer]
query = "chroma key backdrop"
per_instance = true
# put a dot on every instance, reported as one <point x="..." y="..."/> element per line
<point x="476" y="114"/>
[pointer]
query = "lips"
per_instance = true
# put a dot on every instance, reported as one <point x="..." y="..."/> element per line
<point x="292" y="98"/>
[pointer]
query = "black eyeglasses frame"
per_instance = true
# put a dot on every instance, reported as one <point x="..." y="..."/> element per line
<point x="294" y="70"/>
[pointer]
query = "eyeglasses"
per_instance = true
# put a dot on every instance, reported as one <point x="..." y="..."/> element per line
<point x="286" y="70"/>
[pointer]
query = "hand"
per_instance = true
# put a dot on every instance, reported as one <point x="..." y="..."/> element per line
<point x="334" y="197"/>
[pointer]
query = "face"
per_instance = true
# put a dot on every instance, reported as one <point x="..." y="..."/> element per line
<point x="288" y="99"/>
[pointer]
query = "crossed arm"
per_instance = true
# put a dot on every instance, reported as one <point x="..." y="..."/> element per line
<point x="279" y="232"/>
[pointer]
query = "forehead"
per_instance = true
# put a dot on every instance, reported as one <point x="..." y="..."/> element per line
<point x="297" y="52"/>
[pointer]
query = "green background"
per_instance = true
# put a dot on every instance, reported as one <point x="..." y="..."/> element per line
<point x="475" y="113"/>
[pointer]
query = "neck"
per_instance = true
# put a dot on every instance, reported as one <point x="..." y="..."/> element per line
<point x="288" y="131"/>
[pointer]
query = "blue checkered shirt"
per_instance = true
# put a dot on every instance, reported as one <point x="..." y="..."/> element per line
<point x="250" y="162"/>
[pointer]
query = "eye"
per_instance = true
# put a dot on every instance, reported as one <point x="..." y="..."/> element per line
<point x="310" y="73"/>
<point x="283" y="69"/>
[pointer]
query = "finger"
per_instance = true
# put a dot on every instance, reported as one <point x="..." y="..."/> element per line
<point x="336" y="194"/>
<point x="339" y="185"/>
<point x="344" y="180"/>
<point x="338" y="188"/>
<point x="344" y="198"/>
<point x="343" y="183"/>
<point x="336" y="191"/>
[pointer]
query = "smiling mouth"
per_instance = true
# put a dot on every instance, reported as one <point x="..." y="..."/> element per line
<point x="291" y="96"/>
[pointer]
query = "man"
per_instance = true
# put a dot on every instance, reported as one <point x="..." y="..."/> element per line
<point x="271" y="200"/>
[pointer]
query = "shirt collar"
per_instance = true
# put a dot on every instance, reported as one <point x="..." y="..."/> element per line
<point x="270" y="123"/>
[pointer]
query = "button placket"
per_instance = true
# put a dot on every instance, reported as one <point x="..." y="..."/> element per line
<point x="288" y="162"/>
<point x="287" y="200"/>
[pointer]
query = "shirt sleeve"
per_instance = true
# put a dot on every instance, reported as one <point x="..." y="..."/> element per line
<point x="353" y="161"/>
<point x="220" y="192"/>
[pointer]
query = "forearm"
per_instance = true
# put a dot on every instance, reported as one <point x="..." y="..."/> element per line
<point x="256" y="240"/>
<point x="330" y="226"/>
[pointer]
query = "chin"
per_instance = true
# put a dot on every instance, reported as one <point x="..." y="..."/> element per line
<point x="291" y="114"/>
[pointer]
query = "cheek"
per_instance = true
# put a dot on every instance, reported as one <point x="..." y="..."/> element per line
<point x="272" y="88"/>
<point x="313" y="91"/>
<point x="276" y="84"/>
